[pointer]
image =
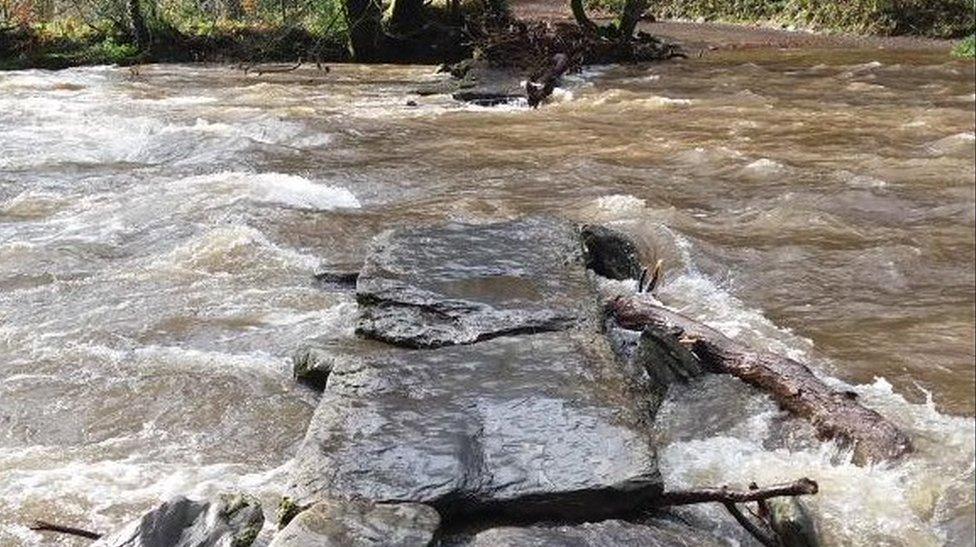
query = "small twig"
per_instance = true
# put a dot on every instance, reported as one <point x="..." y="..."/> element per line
<point x="44" y="526"/>
<point x="655" y="277"/>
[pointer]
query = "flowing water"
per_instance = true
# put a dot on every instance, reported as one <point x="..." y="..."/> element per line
<point x="159" y="230"/>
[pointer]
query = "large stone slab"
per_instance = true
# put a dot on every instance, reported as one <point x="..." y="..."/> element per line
<point x="460" y="283"/>
<point x="658" y="533"/>
<point x="230" y="521"/>
<point x="540" y="426"/>
<point x="358" y="523"/>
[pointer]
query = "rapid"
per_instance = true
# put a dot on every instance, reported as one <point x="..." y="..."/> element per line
<point x="160" y="228"/>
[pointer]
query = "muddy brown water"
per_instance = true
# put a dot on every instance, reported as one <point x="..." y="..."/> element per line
<point x="159" y="230"/>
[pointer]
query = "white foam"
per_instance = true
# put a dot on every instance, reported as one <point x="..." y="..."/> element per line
<point x="275" y="188"/>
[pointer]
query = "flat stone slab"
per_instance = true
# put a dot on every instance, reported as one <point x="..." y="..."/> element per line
<point x="182" y="522"/>
<point x="461" y="283"/>
<point x="599" y="534"/>
<point x="357" y="523"/>
<point x="541" y="426"/>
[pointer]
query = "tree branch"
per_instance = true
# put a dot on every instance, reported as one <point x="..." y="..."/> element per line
<point x="800" y="487"/>
<point x="44" y="526"/>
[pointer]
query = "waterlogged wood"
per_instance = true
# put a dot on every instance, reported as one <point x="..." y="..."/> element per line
<point x="834" y="414"/>
<point x="44" y="526"/>
<point x="800" y="487"/>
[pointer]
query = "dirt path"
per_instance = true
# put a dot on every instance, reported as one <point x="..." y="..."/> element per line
<point x="726" y="36"/>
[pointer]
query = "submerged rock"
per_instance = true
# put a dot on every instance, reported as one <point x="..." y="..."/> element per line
<point x="657" y="533"/>
<point x="540" y="426"/>
<point x="478" y="82"/>
<point x="460" y="283"/>
<point x="230" y="521"/>
<point x="356" y="523"/>
<point x="792" y="522"/>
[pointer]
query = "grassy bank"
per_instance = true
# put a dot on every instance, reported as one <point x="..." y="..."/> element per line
<point x="966" y="49"/>
<point x="44" y="47"/>
<point x="933" y="18"/>
<point x="62" y="33"/>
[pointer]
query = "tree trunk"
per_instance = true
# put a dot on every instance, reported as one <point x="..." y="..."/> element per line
<point x="140" y="34"/>
<point x="834" y="414"/>
<point x="630" y="16"/>
<point x="363" y="19"/>
<point x="404" y="18"/>
<point x="579" y="13"/>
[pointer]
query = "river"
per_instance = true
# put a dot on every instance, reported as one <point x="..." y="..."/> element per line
<point x="159" y="229"/>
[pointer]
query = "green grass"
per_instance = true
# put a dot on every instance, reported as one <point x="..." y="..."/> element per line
<point x="966" y="49"/>
<point x="936" y="18"/>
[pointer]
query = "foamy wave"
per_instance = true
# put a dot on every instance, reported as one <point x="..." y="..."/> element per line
<point x="764" y="168"/>
<point x="232" y="249"/>
<point x="960" y="144"/>
<point x="278" y="188"/>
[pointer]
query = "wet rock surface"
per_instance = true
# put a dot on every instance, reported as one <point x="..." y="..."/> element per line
<point x="610" y="253"/>
<point x="540" y="426"/>
<point x="230" y="521"/>
<point x="657" y="533"/>
<point x="358" y="523"/>
<point x="314" y="360"/>
<point x="477" y="82"/>
<point x="458" y="284"/>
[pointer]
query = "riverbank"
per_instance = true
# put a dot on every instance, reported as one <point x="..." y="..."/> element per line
<point x="54" y="46"/>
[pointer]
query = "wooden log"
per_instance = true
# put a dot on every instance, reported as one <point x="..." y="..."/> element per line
<point x="834" y="414"/>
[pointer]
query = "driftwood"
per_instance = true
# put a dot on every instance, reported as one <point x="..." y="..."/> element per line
<point x="537" y="89"/>
<point x="801" y="487"/>
<point x="834" y="414"/>
<point x="44" y="526"/>
<point x="765" y="530"/>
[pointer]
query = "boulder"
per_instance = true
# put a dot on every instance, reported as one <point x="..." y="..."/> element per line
<point x="461" y="283"/>
<point x="229" y="521"/>
<point x="534" y="426"/>
<point x="657" y="533"/>
<point x="357" y="523"/>
<point x="610" y="253"/>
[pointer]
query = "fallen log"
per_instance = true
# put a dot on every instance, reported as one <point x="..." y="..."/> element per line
<point x="834" y="414"/>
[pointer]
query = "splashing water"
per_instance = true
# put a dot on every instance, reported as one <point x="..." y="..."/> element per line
<point x="158" y="236"/>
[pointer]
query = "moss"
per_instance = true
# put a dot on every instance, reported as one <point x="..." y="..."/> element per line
<point x="966" y="49"/>
<point x="247" y="537"/>
<point x="287" y="510"/>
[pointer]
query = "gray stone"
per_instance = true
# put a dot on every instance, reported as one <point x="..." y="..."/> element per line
<point x="459" y="283"/>
<point x="610" y="533"/>
<point x="314" y="359"/>
<point x="792" y="522"/>
<point x="356" y="523"/>
<point x="610" y="253"/>
<point x="230" y="521"/>
<point x="540" y="426"/>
